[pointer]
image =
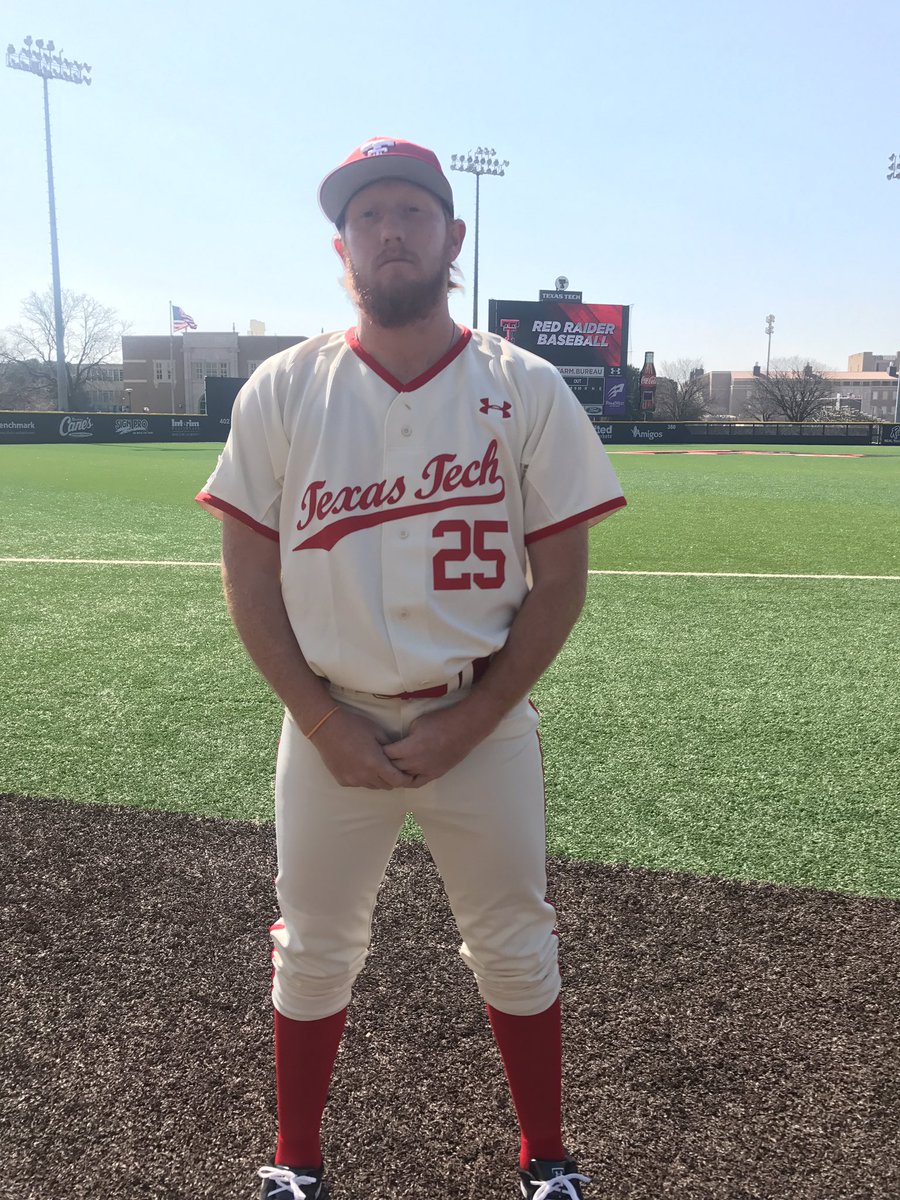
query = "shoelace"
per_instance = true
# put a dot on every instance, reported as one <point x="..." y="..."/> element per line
<point x="288" y="1181"/>
<point x="559" y="1185"/>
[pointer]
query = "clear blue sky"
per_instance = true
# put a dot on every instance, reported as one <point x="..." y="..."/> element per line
<point x="706" y="162"/>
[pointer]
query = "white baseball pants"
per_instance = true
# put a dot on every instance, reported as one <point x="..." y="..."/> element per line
<point x="484" y="825"/>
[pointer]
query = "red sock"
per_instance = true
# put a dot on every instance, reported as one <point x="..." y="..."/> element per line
<point x="531" y="1049"/>
<point x="304" y="1059"/>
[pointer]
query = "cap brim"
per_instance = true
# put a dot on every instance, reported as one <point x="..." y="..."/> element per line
<point x="337" y="189"/>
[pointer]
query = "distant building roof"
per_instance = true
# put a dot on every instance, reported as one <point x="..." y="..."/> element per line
<point x="879" y="376"/>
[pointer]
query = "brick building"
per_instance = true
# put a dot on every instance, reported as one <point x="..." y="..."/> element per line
<point x="168" y="374"/>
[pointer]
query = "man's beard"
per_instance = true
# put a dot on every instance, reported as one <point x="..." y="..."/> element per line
<point x="397" y="304"/>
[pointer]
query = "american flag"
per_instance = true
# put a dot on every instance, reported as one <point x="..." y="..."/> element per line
<point x="181" y="320"/>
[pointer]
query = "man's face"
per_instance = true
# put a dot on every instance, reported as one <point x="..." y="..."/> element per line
<point x="397" y="245"/>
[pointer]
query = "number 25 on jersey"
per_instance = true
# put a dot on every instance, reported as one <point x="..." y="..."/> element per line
<point x="466" y="540"/>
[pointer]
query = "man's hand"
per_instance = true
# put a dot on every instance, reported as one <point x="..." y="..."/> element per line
<point x="351" y="748"/>
<point x="436" y="742"/>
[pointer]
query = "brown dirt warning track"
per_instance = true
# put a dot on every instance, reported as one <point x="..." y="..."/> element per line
<point x="726" y="1040"/>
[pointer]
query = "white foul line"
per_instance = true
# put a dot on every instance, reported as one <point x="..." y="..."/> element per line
<point x="111" y="562"/>
<point x="168" y="562"/>
<point x="741" y="575"/>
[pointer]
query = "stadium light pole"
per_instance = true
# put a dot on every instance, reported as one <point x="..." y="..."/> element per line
<point x="770" y="326"/>
<point x="481" y="162"/>
<point x="38" y="58"/>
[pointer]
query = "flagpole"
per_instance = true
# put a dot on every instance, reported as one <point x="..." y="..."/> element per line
<point x="171" y="358"/>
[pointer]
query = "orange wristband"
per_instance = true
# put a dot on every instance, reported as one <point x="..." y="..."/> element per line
<point x="318" y="725"/>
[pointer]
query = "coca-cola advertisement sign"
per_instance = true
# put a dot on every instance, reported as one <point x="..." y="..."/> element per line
<point x="648" y="383"/>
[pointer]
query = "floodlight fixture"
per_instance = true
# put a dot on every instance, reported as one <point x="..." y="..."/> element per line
<point x="483" y="162"/>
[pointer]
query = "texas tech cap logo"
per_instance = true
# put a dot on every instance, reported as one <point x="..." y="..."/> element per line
<point x="377" y="146"/>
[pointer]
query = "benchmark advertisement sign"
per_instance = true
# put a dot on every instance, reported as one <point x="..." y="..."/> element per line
<point x="587" y="343"/>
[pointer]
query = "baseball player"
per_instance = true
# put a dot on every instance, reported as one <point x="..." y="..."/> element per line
<point x="406" y="508"/>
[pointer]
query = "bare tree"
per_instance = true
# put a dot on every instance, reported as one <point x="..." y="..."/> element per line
<point x="680" y="394"/>
<point x="17" y="388"/>
<point x="632" y="393"/>
<point x="790" y="393"/>
<point x="794" y="362"/>
<point x="847" y="415"/>
<point x="92" y="332"/>
<point x="761" y="405"/>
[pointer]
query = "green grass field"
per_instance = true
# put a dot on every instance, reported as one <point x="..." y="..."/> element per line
<point x="730" y="726"/>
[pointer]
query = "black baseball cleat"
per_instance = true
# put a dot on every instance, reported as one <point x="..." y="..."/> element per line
<point x="545" y="1180"/>
<point x="292" y="1183"/>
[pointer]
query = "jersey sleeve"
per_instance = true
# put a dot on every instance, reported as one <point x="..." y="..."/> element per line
<point x="249" y="476"/>
<point x="567" y="476"/>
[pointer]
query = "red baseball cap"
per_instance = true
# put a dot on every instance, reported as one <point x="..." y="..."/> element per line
<point x="382" y="158"/>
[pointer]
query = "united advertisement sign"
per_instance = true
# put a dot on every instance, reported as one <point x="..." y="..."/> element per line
<point x="587" y="343"/>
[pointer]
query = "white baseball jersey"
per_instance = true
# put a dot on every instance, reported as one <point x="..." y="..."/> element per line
<point x="403" y="511"/>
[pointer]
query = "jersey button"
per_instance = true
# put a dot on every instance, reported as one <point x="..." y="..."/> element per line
<point x="403" y="614"/>
<point x="406" y="430"/>
<point x="404" y="533"/>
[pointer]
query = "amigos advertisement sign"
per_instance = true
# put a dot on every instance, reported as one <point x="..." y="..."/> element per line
<point x="587" y="343"/>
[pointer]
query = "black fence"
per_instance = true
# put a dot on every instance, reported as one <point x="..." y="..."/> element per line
<point x="887" y="435"/>
<point x="661" y="433"/>
<point x="32" y="428"/>
<point x="87" y="428"/>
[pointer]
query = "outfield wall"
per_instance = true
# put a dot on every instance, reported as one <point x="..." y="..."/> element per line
<point x="743" y="432"/>
<point x="31" y="428"/>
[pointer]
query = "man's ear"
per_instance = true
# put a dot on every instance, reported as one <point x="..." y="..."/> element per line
<point x="457" y="237"/>
<point x="339" y="248"/>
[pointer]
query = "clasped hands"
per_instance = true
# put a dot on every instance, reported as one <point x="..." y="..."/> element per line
<point x="358" y="753"/>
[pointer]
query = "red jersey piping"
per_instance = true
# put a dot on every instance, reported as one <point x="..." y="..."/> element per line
<point x="601" y="510"/>
<point x="216" y="506"/>
<point x="455" y="350"/>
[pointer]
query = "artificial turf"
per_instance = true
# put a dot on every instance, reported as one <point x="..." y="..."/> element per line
<point x="106" y="501"/>
<point x="742" y="728"/>
<point x="812" y="512"/>
<point x="730" y="727"/>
